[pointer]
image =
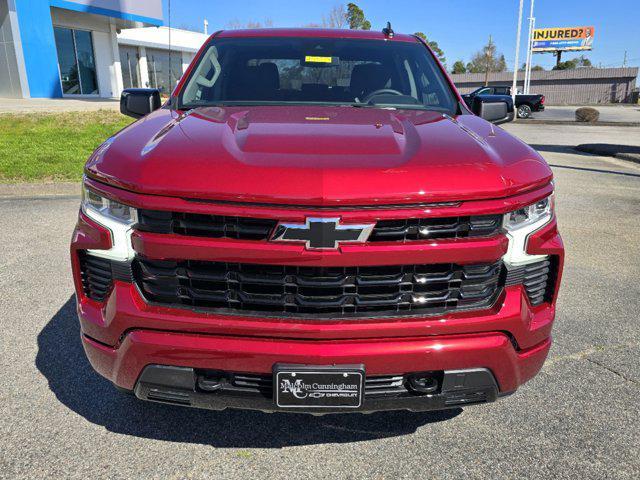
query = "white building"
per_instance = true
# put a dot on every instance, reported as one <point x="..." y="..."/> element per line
<point x="88" y="48"/>
<point x="145" y="59"/>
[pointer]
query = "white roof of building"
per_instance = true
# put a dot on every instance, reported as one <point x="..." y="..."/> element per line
<point x="158" y="37"/>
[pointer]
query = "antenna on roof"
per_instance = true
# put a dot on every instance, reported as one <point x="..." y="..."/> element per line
<point x="388" y="31"/>
<point x="170" y="80"/>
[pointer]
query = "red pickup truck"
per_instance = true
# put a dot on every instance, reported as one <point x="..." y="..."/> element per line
<point x="316" y="222"/>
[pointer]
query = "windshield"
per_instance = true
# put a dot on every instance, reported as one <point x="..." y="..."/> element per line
<point x="317" y="70"/>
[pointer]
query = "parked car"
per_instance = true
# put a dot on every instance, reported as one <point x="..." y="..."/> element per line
<point x="525" y="104"/>
<point x="316" y="222"/>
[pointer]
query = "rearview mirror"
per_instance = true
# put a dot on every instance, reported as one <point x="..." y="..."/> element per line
<point x="493" y="108"/>
<point x="138" y="102"/>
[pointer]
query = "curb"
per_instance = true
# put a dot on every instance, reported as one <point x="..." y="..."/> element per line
<point x="523" y="121"/>
<point x="623" y="152"/>
<point x="31" y="191"/>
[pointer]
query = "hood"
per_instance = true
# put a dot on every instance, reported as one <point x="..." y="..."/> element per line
<point x="320" y="156"/>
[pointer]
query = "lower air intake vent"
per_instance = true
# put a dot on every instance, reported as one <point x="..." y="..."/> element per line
<point x="97" y="277"/>
<point x="387" y="385"/>
<point x="537" y="278"/>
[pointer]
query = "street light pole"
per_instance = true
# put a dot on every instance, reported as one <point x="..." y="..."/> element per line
<point x="527" y="73"/>
<point x="533" y="28"/>
<point x="515" y="65"/>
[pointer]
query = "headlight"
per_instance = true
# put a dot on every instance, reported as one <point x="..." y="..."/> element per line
<point x="521" y="223"/>
<point x="115" y="216"/>
<point x="92" y="201"/>
<point x="529" y="215"/>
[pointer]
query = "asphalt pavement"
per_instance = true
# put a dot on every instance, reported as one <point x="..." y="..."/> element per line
<point x="579" y="418"/>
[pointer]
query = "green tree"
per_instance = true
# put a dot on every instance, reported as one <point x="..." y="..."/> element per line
<point x="487" y="60"/>
<point x="580" y="61"/>
<point x="535" y="68"/>
<point x="356" y="18"/>
<point x="459" y="67"/>
<point x="434" y="46"/>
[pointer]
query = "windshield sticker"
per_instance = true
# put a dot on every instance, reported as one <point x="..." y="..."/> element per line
<point x="316" y="59"/>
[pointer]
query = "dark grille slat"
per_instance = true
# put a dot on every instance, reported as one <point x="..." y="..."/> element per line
<point x="331" y="292"/>
<point x="246" y="228"/>
<point x="436" y="228"/>
<point x="202" y="225"/>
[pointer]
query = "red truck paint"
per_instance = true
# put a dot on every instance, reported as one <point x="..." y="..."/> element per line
<point x="287" y="163"/>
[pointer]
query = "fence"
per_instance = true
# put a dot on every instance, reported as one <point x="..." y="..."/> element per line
<point x="581" y="86"/>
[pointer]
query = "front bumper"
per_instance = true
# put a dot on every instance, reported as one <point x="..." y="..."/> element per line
<point x="128" y="365"/>
<point x="124" y="334"/>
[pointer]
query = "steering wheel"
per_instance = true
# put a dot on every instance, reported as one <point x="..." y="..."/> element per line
<point x="381" y="91"/>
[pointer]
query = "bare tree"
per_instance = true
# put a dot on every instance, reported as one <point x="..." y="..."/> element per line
<point x="336" y="18"/>
<point x="236" y="24"/>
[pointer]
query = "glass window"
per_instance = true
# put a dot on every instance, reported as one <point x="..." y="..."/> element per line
<point x="158" y="66"/>
<point x="76" y="61"/>
<point x="129" y="62"/>
<point x="67" y="60"/>
<point x="318" y="70"/>
<point x="86" y="62"/>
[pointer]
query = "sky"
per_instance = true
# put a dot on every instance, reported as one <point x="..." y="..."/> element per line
<point x="461" y="27"/>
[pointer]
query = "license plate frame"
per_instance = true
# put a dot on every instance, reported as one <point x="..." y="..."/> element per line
<point x="318" y="386"/>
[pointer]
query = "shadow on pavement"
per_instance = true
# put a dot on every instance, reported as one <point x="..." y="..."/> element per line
<point x="557" y="149"/>
<point x="62" y="361"/>
<point x="595" y="170"/>
<point x="629" y="152"/>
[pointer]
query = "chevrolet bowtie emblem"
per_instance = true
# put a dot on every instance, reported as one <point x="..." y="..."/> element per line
<point x="318" y="233"/>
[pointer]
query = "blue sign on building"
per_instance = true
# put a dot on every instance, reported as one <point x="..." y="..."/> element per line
<point x="67" y="47"/>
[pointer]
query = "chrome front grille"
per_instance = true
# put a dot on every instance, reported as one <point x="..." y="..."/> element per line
<point x="329" y="292"/>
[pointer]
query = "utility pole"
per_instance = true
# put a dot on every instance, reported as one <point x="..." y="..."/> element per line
<point x="206" y="27"/>
<point x="527" y="68"/>
<point x="515" y="65"/>
<point x="624" y="62"/>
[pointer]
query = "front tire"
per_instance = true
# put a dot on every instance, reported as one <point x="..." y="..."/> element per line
<point x="524" y="111"/>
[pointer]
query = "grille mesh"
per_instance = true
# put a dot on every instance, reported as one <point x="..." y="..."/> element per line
<point x="319" y="291"/>
<point x="245" y="228"/>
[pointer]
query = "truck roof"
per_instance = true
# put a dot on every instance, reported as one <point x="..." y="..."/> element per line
<point x="314" y="32"/>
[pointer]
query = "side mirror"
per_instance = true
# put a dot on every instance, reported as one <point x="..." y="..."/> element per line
<point x="138" y="102"/>
<point x="493" y="108"/>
